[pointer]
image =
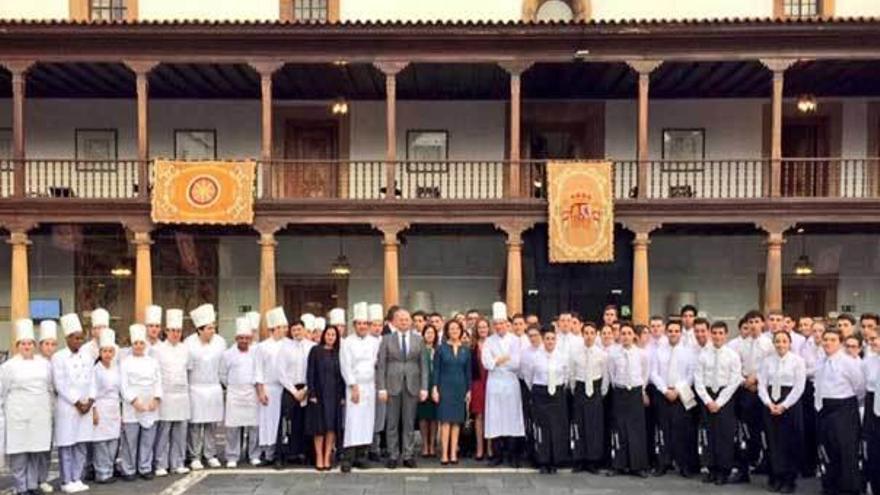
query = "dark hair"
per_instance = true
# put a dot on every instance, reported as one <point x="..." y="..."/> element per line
<point x="589" y="323"/>
<point x="577" y="316"/>
<point x="656" y="317"/>
<point x="610" y="306"/>
<point x="857" y="337"/>
<point x="435" y="314"/>
<point x="419" y="313"/>
<point x="688" y="307"/>
<point x="533" y="327"/>
<point x="848" y="317"/>
<point x="391" y="310"/>
<point x="742" y="321"/>
<point x="436" y="335"/>
<point x="673" y="322"/>
<point x="782" y="333"/>
<point x="518" y="315"/>
<point x="719" y="324"/>
<point x="754" y="314"/>
<point x="472" y="310"/>
<point x="640" y="329"/>
<point x="548" y="329"/>
<point x="701" y="321"/>
<point x="297" y="323"/>
<point x="775" y="312"/>
<point x="626" y="323"/>
<point x="324" y="338"/>
<point x="870" y="316"/>
<point x="449" y="324"/>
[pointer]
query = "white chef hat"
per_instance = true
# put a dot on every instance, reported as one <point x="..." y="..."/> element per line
<point x="337" y="316"/>
<point x="100" y="318"/>
<point x="137" y="333"/>
<point x="254" y="319"/>
<point x="360" y="312"/>
<point x="308" y="320"/>
<point x="203" y="315"/>
<point x="376" y="312"/>
<point x="48" y="330"/>
<point x="499" y="311"/>
<point x="275" y="317"/>
<point x="108" y="338"/>
<point x="320" y="324"/>
<point x="153" y="315"/>
<point x="174" y="319"/>
<point x="70" y="324"/>
<point x="243" y="326"/>
<point x="24" y="330"/>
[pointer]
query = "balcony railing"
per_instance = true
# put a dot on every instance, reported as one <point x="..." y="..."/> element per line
<point x="280" y="180"/>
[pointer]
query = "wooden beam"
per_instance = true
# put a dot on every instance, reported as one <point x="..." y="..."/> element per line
<point x="515" y="68"/>
<point x="391" y="69"/>
<point x="644" y="69"/>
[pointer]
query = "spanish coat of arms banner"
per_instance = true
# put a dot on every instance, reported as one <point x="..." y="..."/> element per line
<point x="210" y="192"/>
<point x="580" y="199"/>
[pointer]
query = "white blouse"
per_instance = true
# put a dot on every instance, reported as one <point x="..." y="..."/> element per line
<point x="777" y="372"/>
<point x="549" y="369"/>
<point x="838" y="376"/>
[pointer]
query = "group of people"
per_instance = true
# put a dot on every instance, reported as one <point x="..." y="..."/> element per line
<point x="787" y="397"/>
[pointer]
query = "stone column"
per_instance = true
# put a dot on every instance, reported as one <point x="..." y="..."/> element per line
<point x="20" y="287"/>
<point x="514" y="287"/>
<point x="641" y="302"/>
<point x="141" y="71"/>
<point x="644" y="69"/>
<point x="773" y="276"/>
<point x="266" y="69"/>
<point x="778" y="67"/>
<point x="268" y="247"/>
<point x="515" y="68"/>
<point x="18" y="69"/>
<point x="391" y="245"/>
<point x="143" y="273"/>
<point x="390" y="69"/>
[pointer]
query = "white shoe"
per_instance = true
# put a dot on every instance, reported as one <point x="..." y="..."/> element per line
<point x="45" y="487"/>
<point x="255" y="462"/>
<point x="181" y="470"/>
<point x="69" y="488"/>
<point x="196" y="465"/>
<point x="80" y="486"/>
<point x="214" y="463"/>
<point x="161" y="472"/>
<point x="231" y="465"/>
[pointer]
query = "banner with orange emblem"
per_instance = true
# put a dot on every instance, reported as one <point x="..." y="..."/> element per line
<point x="210" y="192"/>
<point x="580" y="198"/>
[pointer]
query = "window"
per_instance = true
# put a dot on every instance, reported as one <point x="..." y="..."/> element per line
<point x="195" y="144"/>
<point x="108" y="10"/>
<point x="798" y="9"/>
<point x="310" y="10"/>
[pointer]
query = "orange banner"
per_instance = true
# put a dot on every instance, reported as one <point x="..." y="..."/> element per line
<point x="580" y="199"/>
<point x="203" y="192"/>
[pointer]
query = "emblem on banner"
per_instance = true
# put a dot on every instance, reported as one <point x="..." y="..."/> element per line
<point x="203" y="192"/>
<point x="581" y="212"/>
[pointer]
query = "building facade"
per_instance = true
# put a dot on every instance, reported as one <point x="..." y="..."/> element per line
<point x="744" y="137"/>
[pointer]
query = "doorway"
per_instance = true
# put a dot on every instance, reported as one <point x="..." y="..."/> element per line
<point x="806" y="138"/>
<point x="809" y="296"/>
<point x="314" y="295"/>
<point x="314" y="148"/>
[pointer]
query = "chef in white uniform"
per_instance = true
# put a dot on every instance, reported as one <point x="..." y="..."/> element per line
<point x="73" y="374"/>
<point x="357" y="362"/>
<point x="377" y="324"/>
<point x="237" y="373"/>
<point x="174" y="410"/>
<point x="269" y="388"/>
<point x="141" y="385"/>
<point x="153" y="322"/>
<point x="48" y="346"/>
<point x="205" y="392"/>
<point x="100" y="319"/>
<point x="293" y="361"/>
<point x="107" y="413"/>
<point x="27" y="390"/>
<point x="503" y="416"/>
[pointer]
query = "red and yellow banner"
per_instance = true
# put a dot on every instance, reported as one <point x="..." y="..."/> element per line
<point x="580" y="199"/>
<point x="216" y="193"/>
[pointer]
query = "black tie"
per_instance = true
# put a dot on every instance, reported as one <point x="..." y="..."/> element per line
<point x="403" y="343"/>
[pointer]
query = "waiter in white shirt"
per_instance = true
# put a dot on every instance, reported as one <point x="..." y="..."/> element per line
<point x="871" y="430"/>
<point x="812" y="353"/>
<point x="546" y="378"/>
<point x="293" y="361"/>
<point x="840" y="384"/>
<point x="237" y="373"/>
<point x="672" y="374"/>
<point x="628" y="370"/>
<point x="357" y="362"/>
<point x="73" y="375"/>
<point x="377" y="325"/>
<point x="205" y="392"/>
<point x="589" y="380"/>
<point x="717" y="377"/>
<point x="174" y="410"/>
<point x="269" y="388"/>
<point x="504" y="424"/>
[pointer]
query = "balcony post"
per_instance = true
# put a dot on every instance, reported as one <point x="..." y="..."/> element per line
<point x="773" y="275"/>
<point x="778" y="67"/>
<point x="390" y="69"/>
<point x="18" y="69"/>
<point x="514" y="287"/>
<point x="266" y="69"/>
<point x="20" y="288"/>
<point x="641" y="302"/>
<point x="515" y="68"/>
<point x="143" y="269"/>
<point x="644" y="69"/>
<point x="268" y="248"/>
<point x="391" y="244"/>
<point x="142" y="71"/>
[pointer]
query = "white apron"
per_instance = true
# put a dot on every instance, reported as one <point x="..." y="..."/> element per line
<point x="205" y="392"/>
<point x="28" y="405"/>
<point x="107" y="403"/>
<point x="140" y="379"/>
<point x="73" y="375"/>
<point x="241" y="406"/>
<point x="270" y="415"/>
<point x="360" y="417"/>
<point x="175" y="387"/>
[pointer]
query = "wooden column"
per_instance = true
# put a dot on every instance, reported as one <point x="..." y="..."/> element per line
<point x="644" y="69"/>
<point x="778" y="67"/>
<point x="514" y="288"/>
<point x="18" y="70"/>
<point x="141" y="71"/>
<point x="514" y="180"/>
<point x="20" y="288"/>
<point x="773" y="275"/>
<point x="268" y="248"/>
<point x="390" y="69"/>
<point x="641" y="295"/>
<point x="266" y="69"/>
<point x="391" y="245"/>
<point x="143" y="273"/>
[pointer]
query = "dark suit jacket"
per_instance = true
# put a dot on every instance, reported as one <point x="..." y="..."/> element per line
<point x="394" y="371"/>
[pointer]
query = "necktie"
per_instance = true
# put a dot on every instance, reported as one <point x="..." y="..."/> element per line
<point x="716" y="376"/>
<point x="775" y="386"/>
<point x="588" y="382"/>
<point x="877" y="394"/>
<point x="750" y="360"/>
<point x="627" y="371"/>
<point x="671" y="372"/>
<point x="551" y="376"/>
<point x="403" y="344"/>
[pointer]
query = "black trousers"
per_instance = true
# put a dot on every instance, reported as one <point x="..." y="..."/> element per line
<point x="720" y="437"/>
<point x="550" y="413"/>
<point x="785" y="435"/>
<point x="588" y="424"/>
<point x="528" y="421"/>
<point x="839" y="436"/>
<point x="628" y="438"/>
<point x="291" y="442"/>
<point x="871" y="433"/>
<point x="810" y="454"/>
<point x="676" y="435"/>
<point x="749" y="413"/>
<point x="652" y="430"/>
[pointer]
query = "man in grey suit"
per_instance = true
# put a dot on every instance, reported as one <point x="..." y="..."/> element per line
<point x="402" y="381"/>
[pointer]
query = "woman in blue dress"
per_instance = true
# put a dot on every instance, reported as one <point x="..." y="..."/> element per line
<point x="451" y="391"/>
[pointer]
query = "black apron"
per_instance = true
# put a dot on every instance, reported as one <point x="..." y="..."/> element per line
<point x="550" y="417"/>
<point x="588" y="423"/>
<point x="676" y="440"/>
<point x="784" y="434"/>
<point x="839" y="440"/>
<point x="629" y="449"/>
<point x="810" y="455"/>
<point x="720" y="438"/>
<point x="871" y="433"/>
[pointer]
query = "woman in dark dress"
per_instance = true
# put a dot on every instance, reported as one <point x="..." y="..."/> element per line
<point x="426" y="411"/>
<point x="478" y="389"/>
<point x="451" y="390"/>
<point x="326" y="395"/>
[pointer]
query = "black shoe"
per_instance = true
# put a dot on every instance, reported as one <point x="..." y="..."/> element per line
<point x="787" y="488"/>
<point x="495" y="461"/>
<point x="709" y="478"/>
<point x="107" y="481"/>
<point x="740" y="477"/>
<point x="444" y="463"/>
<point x="148" y="476"/>
<point x="360" y="465"/>
<point x="578" y="468"/>
<point x="346" y="467"/>
<point x="129" y="477"/>
<point x="374" y="457"/>
<point x="89" y="475"/>
<point x="640" y="473"/>
<point x="660" y="471"/>
<point x="591" y="469"/>
<point x="278" y="465"/>
<point x="544" y="470"/>
<point x="409" y="463"/>
<point x="391" y="464"/>
<point x="721" y="481"/>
